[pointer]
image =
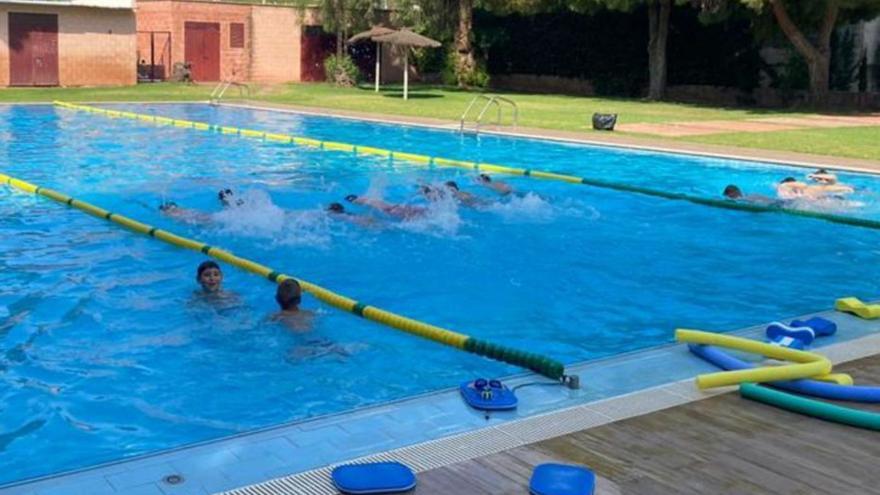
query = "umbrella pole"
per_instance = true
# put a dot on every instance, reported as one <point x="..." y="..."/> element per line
<point x="405" y="72"/>
<point x="378" y="63"/>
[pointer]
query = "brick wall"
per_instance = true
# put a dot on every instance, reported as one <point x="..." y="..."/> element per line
<point x="4" y="46"/>
<point x="271" y="50"/>
<point x="275" y="48"/>
<point x="96" y="47"/>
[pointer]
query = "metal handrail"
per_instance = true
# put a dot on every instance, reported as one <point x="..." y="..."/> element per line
<point x="222" y="86"/>
<point x="467" y="111"/>
<point x="494" y="99"/>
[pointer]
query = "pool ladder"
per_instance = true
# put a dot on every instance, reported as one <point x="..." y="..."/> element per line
<point x="490" y="100"/>
<point x="222" y="86"/>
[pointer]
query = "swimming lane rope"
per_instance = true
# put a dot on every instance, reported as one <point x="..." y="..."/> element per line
<point x="477" y="166"/>
<point x="535" y="362"/>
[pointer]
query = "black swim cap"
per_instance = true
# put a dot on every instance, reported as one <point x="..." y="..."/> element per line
<point x="336" y="208"/>
<point x="485" y="178"/>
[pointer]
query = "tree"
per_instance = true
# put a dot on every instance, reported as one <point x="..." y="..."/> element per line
<point x="465" y="63"/>
<point x="658" y="32"/>
<point x="814" y="46"/>
<point x="341" y="17"/>
<point x="446" y="20"/>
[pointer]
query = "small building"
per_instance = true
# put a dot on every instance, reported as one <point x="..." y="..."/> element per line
<point x="229" y="41"/>
<point x="67" y="42"/>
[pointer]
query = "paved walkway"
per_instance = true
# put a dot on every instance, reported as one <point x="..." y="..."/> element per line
<point x="642" y="141"/>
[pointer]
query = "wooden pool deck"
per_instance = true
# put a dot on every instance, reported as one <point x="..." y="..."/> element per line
<point x="721" y="445"/>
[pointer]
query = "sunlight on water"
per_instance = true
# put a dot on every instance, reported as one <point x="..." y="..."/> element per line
<point x="110" y="348"/>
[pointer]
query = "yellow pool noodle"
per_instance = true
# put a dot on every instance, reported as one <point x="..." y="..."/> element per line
<point x="809" y="364"/>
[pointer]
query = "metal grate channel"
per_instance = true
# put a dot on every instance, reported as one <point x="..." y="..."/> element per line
<point x="487" y="441"/>
<point x="492" y="440"/>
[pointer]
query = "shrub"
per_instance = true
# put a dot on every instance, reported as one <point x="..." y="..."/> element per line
<point x="341" y="71"/>
<point x="478" y="78"/>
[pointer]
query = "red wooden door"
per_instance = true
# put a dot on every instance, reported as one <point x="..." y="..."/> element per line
<point x="202" y="49"/>
<point x="315" y="46"/>
<point x="33" y="49"/>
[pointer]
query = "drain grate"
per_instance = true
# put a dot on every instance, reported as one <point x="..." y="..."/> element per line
<point x="487" y="441"/>
<point x="492" y="440"/>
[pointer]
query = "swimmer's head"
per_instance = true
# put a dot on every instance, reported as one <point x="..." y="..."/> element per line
<point x="452" y="185"/>
<point x="823" y="176"/>
<point x="289" y="294"/>
<point x="732" y="192"/>
<point x="226" y="197"/>
<point x="432" y="193"/>
<point x="209" y="276"/>
<point x="336" y="208"/>
<point x="787" y="180"/>
<point x="168" y="206"/>
<point x="484" y="178"/>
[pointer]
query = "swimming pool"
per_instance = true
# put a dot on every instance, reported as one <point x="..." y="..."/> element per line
<point x="107" y="351"/>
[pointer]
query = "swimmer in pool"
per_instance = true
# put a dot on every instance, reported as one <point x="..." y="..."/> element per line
<point x="735" y="193"/>
<point x="210" y="277"/>
<point x="187" y="215"/>
<point x="465" y="198"/>
<point x="501" y="188"/>
<point x="289" y="296"/>
<point x="337" y="210"/>
<point x="404" y="212"/>
<point x="790" y="188"/>
<point x="227" y="198"/>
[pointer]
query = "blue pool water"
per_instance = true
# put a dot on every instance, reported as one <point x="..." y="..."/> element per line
<point x="108" y="351"/>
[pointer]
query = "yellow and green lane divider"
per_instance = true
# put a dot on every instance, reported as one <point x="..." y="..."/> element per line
<point x="469" y="165"/>
<point x="535" y="362"/>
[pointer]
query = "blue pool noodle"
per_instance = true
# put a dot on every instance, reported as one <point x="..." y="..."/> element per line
<point x="815" y="388"/>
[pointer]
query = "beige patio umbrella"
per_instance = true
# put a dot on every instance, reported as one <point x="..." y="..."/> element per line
<point x="369" y="35"/>
<point x="406" y="39"/>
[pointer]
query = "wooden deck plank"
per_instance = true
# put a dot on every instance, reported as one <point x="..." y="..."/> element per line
<point x="721" y="445"/>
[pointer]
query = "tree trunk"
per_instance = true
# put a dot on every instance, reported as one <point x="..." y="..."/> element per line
<point x="818" y="57"/>
<point x="658" y="30"/>
<point x="465" y="62"/>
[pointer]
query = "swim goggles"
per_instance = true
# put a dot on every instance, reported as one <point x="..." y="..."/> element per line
<point x="485" y="387"/>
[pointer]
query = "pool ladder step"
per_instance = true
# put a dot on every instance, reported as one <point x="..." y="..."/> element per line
<point x="220" y="89"/>
<point x="499" y="101"/>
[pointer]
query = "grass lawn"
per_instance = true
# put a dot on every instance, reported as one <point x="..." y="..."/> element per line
<point x="568" y="113"/>
<point x="141" y="92"/>
<point x="853" y="142"/>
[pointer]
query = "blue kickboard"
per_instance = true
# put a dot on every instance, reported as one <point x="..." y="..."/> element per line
<point x="562" y="479"/>
<point x="373" y="477"/>
<point x="821" y="326"/>
<point x="488" y="398"/>
<point x="777" y="331"/>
